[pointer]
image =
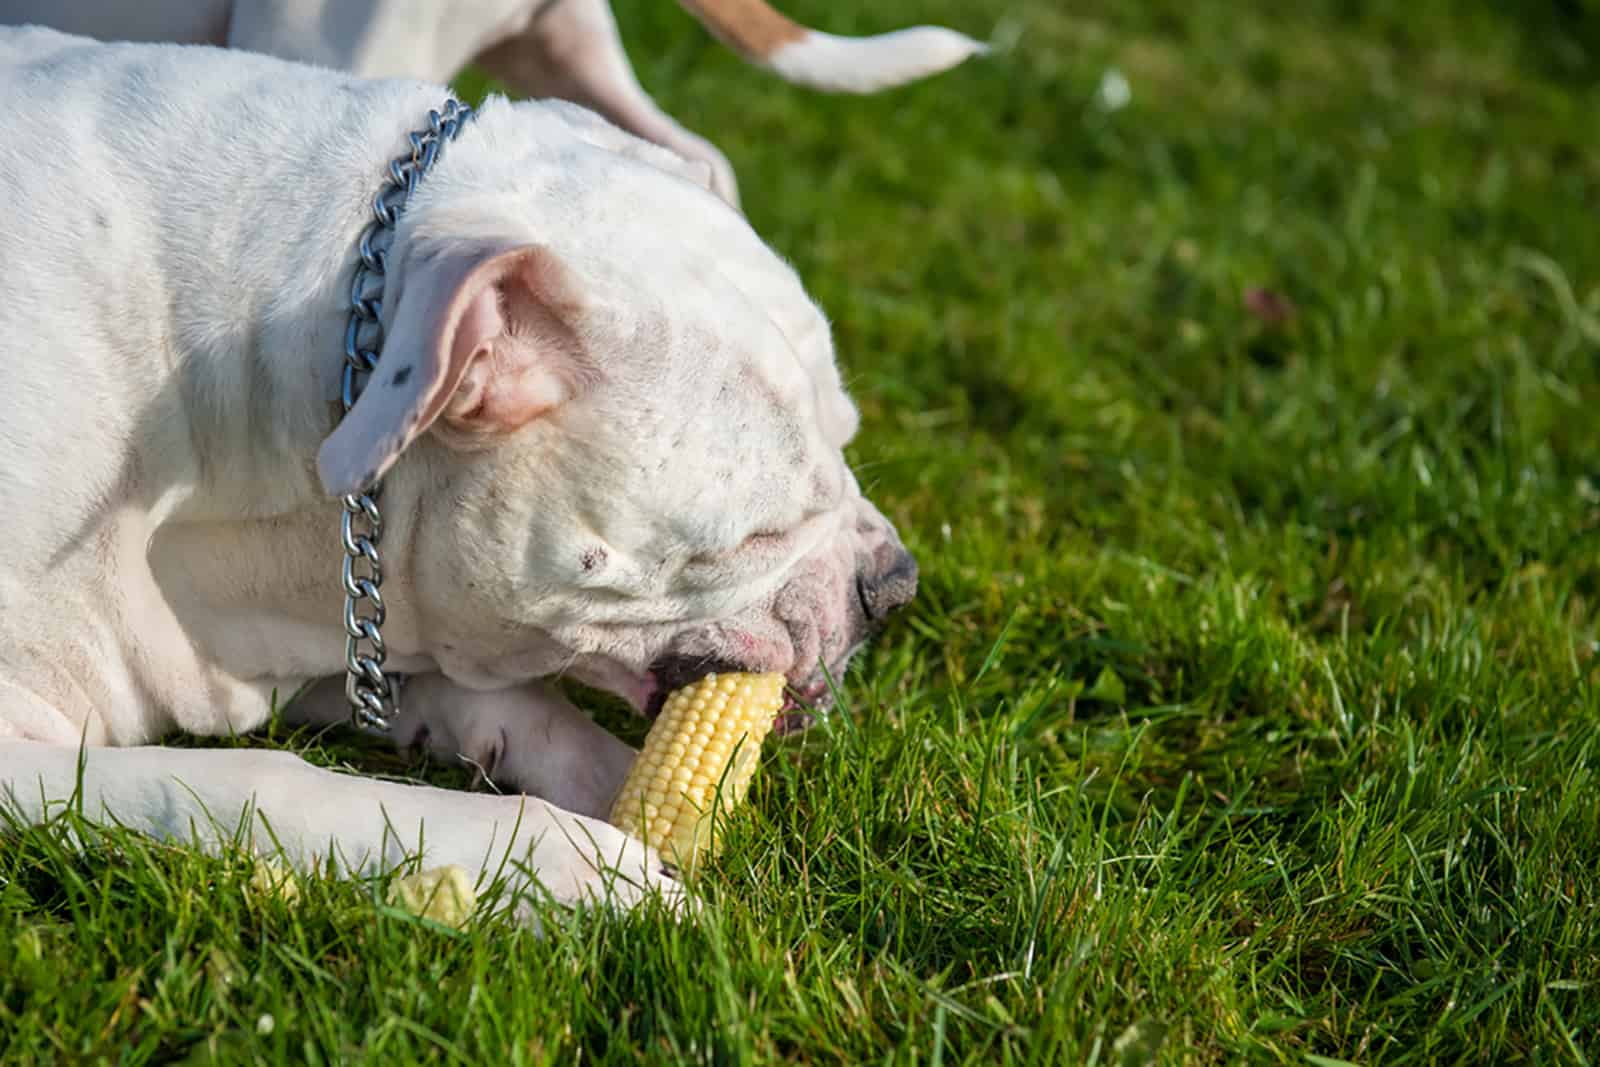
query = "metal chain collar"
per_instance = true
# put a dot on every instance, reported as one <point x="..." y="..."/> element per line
<point x="374" y="696"/>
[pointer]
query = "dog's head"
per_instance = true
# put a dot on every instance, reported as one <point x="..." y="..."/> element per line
<point x="624" y="422"/>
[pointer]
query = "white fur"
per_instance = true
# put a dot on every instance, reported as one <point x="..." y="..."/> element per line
<point x="567" y="48"/>
<point x="176" y="268"/>
<point x="564" y="48"/>
<point x="868" y="64"/>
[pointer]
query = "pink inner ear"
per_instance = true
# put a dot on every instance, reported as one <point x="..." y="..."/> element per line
<point x="471" y="351"/>
<point x="480" y="324"/>
<point x="517" y="390"/>
<point x="489" y="341"/>
<point x="513" y="344"/>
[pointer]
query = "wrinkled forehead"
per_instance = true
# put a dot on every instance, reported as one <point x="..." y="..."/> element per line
<point x="772" y="345"/>
<point x="687" y="273"/>
<point x="759" y="409"/>
<point x="735" y="417"/>
<point x="738" y="323"/>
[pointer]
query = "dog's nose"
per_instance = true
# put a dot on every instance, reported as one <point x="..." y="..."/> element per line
<point x="891" y="588"/>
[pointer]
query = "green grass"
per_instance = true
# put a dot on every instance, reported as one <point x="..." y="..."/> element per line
<point x="1250" y="710"/>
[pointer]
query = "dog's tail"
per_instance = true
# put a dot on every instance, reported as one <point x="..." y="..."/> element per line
<point x="822" y="61"/>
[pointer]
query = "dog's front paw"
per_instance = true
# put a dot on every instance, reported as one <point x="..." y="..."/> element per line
<point x="579" y="860"/>
<point x="640" y="875"/>
<point x="574" y="764"/>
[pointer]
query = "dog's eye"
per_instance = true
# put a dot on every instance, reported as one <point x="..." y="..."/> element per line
<point x="764" y="539"/>
<point x="755" y="545"/>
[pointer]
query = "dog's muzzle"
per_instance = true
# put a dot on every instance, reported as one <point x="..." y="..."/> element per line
<point x="885" y="583"/>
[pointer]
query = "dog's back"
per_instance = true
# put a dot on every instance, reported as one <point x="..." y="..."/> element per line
<point x="30" y="44"/>
<point x="190" y="22"/>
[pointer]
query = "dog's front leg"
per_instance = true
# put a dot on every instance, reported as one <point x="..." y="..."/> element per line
<point x="529" y="738"/>
<point x="572" y="50"/>
<point x="211" y="797"/>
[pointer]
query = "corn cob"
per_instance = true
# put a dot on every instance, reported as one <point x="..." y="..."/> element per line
<point x="703" y="747"/>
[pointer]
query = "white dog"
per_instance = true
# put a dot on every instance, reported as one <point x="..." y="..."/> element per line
<point x="563" y="48"/>
<point x="606" y="417"/>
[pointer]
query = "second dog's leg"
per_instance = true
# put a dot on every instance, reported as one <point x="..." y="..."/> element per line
<point x="529" y="738"/>
<point x="573" y="51"/>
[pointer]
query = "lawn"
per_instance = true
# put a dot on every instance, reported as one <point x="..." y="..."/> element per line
<point x="1244" y="424"/>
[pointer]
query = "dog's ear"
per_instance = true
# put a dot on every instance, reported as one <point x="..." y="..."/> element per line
<point x="485" y="341"/>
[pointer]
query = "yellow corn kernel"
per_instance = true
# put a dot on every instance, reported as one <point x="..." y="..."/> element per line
<point x="707" y="738"/>
<point x="443" y="894"/>
<point x="271" y="878"/>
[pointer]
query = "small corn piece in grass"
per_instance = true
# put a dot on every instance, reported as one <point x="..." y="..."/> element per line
<point x="269" y="877"/>
<point x="443" y="894"/>
<point x="702" y="750"/>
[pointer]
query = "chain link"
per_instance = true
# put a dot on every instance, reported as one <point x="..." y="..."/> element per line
<point x="374" y="695"/>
